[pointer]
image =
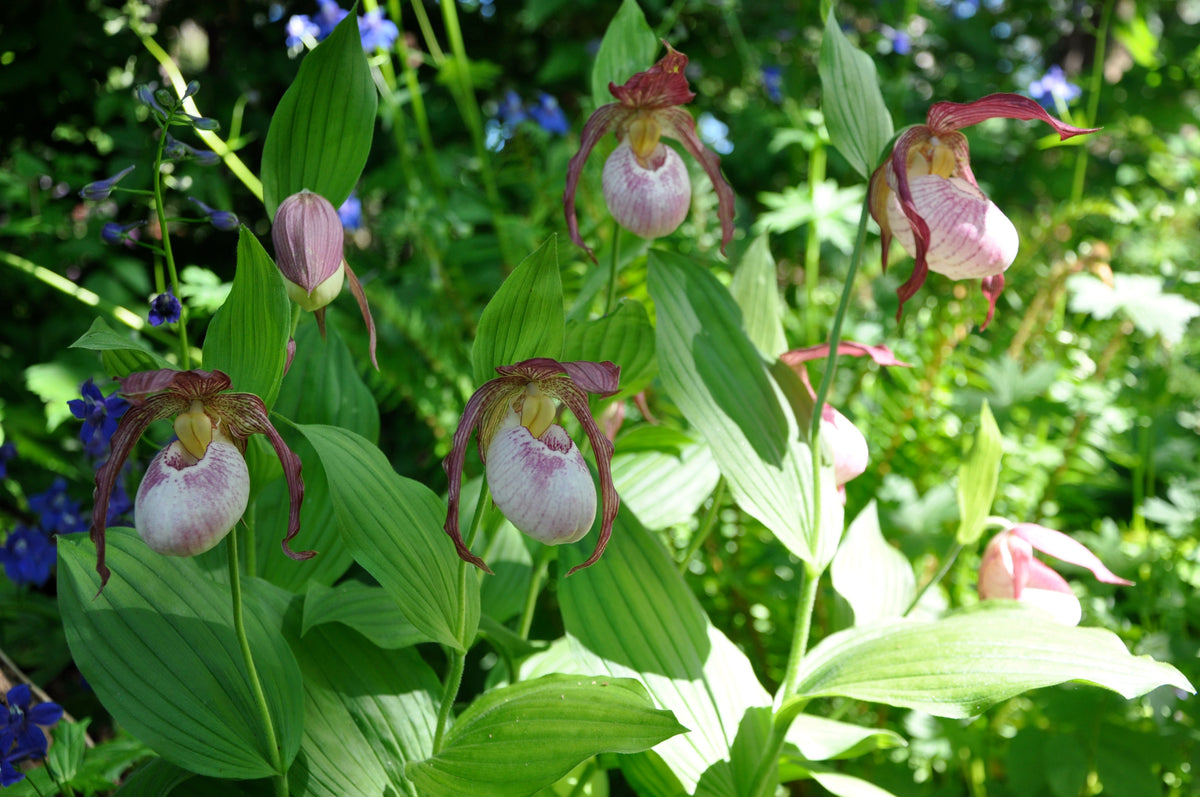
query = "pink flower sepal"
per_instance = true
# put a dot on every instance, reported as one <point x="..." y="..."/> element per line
<point x="1010" y="571"/>
<point x="537" y="476"/>
<point x="925" y="195"/>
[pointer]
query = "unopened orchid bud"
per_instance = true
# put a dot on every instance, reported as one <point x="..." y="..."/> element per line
<point x="542" y="485"/>
<point x="308" y="238"/>
<point x="648" y="196"/>
<point x="850" y="452"/>
<point x="186" y="504"/>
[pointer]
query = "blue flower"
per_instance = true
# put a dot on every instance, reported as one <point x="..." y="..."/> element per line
<point x="7" y="451"/>
<point x="549" y="116"/>
<point x="512" y="110"/>
<point x="300" y="27"/>
<point x="164" y="309"/>
<point x="1053" y="89"/>
<point x="57" y="513"/>
<point x="102" y="188"/>
<point x="221" y="219"/>
<point x="351" y="213"/>
<point x="113" y="233"/>
<point x="328" y="17"/>
<point x="318" y="26"/>
<point x="99" y="416"/>
<point x="20" y="737"/>
<point x="28" y="556"/>
<point x="377" y="32"/>
<point x="901" y="41"/>
<point x="772" y="79"/>
<point x="177" y="150"/>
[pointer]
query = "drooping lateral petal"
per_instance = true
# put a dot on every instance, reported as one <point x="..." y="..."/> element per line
<point x="356" y="288"/>
<point x="1060" y="546"/>
<point x="878" y="192"/>
<point x="917" y="225"/>
<point x="245" y="414"/>
<point x="679" y="125"/>
<point x="576" y="401"/>
<point x="600" y="122"/>
<point x="946" y="116"/>
<point x="661" y="86"/>
<point x="140" y="415"/>
<point x="992" y="288"/>
<point x="880" y="354"/>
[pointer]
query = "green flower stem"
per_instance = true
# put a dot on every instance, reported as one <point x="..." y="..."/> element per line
<point x="458" y="658"/>
<point x="812" y="246"/>
<point x="947" y="562"/>
<point x="800" y="634"/>
<point x="614" y="265"/>
<point x="706" y="526"/>
<point x="185" y="359"/>
<point x="1095" y="82"/>
<point x="251" y="543"/>
<point x="260" y="700"/>
<point x="417" y="98"/>
<point x="535" y="585"/>
<point x="215" y="142"/>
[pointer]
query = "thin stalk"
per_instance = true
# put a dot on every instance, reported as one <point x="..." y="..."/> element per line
<point x="812" y="247"/>
<point x="800" y="634"/>
<point x="251" y="543"/>
<point x="613" y="267"/>
<point x="260" y="700"/>
<point x="417" y="98"/>
<point x="535" y="586"/>
<point x="706" y="526"/>
<point x="947" y="562"/>
<point x="1095" y="82"/>
<point x="164" y="228"/>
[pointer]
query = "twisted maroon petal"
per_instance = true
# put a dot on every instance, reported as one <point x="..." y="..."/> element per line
<point x="946" y="116"/>
<point x="603" y="119"/>
<point x="992" y="288"/>
<point x="679" y="125"/>
<point x="357" y="289"/>
<point x="661" y="86"/>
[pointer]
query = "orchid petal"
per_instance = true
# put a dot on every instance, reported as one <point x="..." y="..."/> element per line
<point x="679" y="124"/>
<point x="600" y="122"/>
<point x="880" y="354"/>
<point x="661" y="86"/>
<point x="992" y="288"/>
<point x="576" y="401"/>
<point x="356" y="288"/>
<point x="1060" y="546"/>
<point x="878" y="192"/>
<point x="946" y="116"/>
<point x="602" y="378"/>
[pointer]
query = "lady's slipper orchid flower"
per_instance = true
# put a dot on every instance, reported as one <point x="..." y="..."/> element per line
<point x="645" y="182"/>
<point x="1009" y="571"/>
<point x="535" y="472"/>
<point x="308" y="236"/>
<point x="197" y="487"/>
<point x="850" y="453"/>
<point x="925" y="196"/>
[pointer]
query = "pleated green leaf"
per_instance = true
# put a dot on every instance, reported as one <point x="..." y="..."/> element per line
<point x="978" y="477"/>
<point x="120" y="353"/>
<point x="519" y="738"/>
<point x="858" y="121"/>
<point x="819" y="739"/>
<point x="525" y="318"/>
<point x="719" y="380"/>
<point x="663" y="488"/>
<point x="320" y="133"/>
<point x="874" y="578"/>
<point x="369" y="610"/>
<point x="248" y="336"/>
<point x="158" y="647"/>
<point x="961" y="664"/>
<point x="393" y="527"/>
<point x="628" y="47"/>
<point x="755" y="288"/>
<point x="634" y="616"/>
<point x="624" y="337"/>
<point x="323" y="385"/>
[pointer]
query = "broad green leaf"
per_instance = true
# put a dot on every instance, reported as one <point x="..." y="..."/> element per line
<point x="874" y="578"/>
<point x="755" y="288"/>
<point x="624" y="337"/>
<point x="628" y="47"/>
<point x="720" y="382"/>
<point x="961" y="664"/>
<point x="665" y="488"/>
<point x="978" y="477"/>
<point x="858" y="121"/>
<point x="519" y="738"/>
<point x="393" y="526"/>
<point x="369" y="610"/>
<point x="156" y="776"/>
<point x="121" y="354"/>
<point x="248" y="336"/>
<point x="820" y="739"/>
<point x="633" y="615"/>
<point x="158" y="647"/>
<point x="323" y="385"/>
<point x="650" y="776"/>
<point x="320" y="133"/>
<point x="525" y="318"/>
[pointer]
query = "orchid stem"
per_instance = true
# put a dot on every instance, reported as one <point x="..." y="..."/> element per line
<point x="706" y="526"/>
<point x="1095" y="82"/>
<point x="947" y="562"/>
<point x="185" y="359"/>
<point x="260" y="700"/>
<point x="535" y="584"/>
<point x="613" y="267"/>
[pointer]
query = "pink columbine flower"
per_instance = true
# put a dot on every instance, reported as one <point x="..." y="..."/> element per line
<point x="925" y="195"/>
<point x="1009" y="570"/>
<point x="535" y="472"/>
<point x="308" y="237"/>
<point x="645" y="182"/>
<point x="850" y="453"/>
<point x="196" y="488"/>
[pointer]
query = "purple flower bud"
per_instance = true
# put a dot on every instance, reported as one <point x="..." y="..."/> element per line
<point x="308" y="240"/>
<point x="192" y="87"/>
<point x="113" y="233"/>
<point x="102" y="188"/>
<point x="649" y="197"/>
<point x="223" y="220"/>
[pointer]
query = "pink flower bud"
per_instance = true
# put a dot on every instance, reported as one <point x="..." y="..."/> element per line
<point x="649" y="199"/>
<point x="542" y="485"/>
<point x="308" y="240"/>
<point x="185" y="505"/>
<point x="850" y="452"/>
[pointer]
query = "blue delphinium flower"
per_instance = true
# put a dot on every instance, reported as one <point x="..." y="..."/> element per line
<point x="28" y="556"/>
<point x="300" y="27"/>
<point x="1053" y="89"/>
<point x="772" y="79"/>
<point x="549" y="116"/>
<point x="177" y="150"/>
<point x="377" y="31"/>
<point x="102" y="188"/>
<point x="99" y="416"/>
<point x="21" y="738"/>
<point x="511" y="110"/>
<point x="113" y="233"/>
<point x="901" y="42"/>
<point x="7" y="451"/>
<point x="351" y="213"/>
<point x="221" y="219"/>
<point x="57" y="513"/>
<point x="164" y="309"/>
